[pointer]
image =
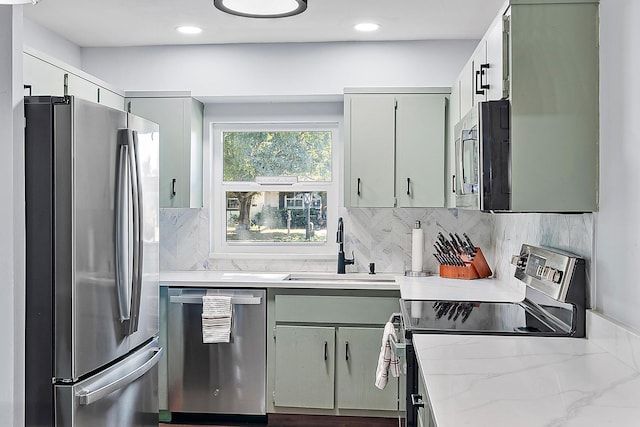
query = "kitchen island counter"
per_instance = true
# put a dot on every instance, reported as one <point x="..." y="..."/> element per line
<point x="525" y="381"/>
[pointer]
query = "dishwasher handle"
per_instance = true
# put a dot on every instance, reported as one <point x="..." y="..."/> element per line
<point x="235" y="300"/>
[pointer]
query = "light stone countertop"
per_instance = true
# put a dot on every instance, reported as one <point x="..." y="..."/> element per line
<point x="297" y="280"/>
<point x="440" y="288"/>
<point x="421" y="288"/>
<point x="526" y="382"/>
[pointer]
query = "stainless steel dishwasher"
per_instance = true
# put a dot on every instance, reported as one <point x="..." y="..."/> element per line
<point x="224" y="378"/>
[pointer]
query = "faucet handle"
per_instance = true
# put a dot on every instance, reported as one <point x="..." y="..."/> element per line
<point x="351" y="261"/>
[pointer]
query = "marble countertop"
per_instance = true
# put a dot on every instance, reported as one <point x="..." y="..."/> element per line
<point x="420" y="288"/>
<point x="526" y="382"/>
<point x="440" y="288"/>
<point x="298" y="280"/>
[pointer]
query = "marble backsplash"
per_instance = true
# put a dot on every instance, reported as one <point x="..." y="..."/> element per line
<point x="569" y="232"/>
<point x="383" y="236"/>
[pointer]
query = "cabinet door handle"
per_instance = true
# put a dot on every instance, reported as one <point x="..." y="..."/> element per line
<point x="416" y="400"/>
<point x="483" y="73"/>
<point x="346" y="351"/>
<point x="326" y="350"/>
<point x="478" y="82"/>
<point x="408" y="186"/>
<point x="173" y="187"/>
<point x="453" y="183"/>
<point x="358" y="186"/>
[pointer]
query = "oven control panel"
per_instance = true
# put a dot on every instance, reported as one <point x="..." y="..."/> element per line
<point x="547" y="270"/>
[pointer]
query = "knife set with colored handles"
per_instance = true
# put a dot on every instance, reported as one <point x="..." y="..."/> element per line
<point x="460" y="259"/>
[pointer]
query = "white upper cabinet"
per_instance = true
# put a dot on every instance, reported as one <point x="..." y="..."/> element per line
<point x="395" y="147"/>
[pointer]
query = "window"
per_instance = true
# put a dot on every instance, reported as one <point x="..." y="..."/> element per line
<point x="274" y="188"/>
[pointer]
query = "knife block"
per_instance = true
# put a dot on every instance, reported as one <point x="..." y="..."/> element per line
<point x="476" y="268"/>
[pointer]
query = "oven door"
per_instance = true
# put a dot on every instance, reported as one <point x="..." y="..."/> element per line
<point x="467" y="150"/>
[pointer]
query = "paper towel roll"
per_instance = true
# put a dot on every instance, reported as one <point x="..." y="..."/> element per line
<point x="417" y="249"/>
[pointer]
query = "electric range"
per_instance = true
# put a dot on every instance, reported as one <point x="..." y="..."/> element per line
<point x="554" y="305"/>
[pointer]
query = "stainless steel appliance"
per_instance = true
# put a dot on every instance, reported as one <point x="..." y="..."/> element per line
<point x="222" y="378"/>
<point x="483" y="158"/>
<point x="554" y="305"/>
<point x="92" y="265"/>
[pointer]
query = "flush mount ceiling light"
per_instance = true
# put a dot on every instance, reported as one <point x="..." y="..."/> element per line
<point x="262" y="8"/>
<point x="366" y="27"/>
<point x="188" y="29"/>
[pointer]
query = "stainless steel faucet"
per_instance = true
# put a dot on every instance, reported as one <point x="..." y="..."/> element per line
<point x="342" y="261"/>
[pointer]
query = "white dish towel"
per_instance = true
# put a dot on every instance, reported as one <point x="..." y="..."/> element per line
<point x="388" y="361"/>
<point x="217" y="315"/>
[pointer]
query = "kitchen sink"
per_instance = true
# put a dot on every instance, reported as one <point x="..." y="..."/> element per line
<point x="332" y="277"/>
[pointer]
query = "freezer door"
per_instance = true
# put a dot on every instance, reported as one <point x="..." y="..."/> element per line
<point x="125" y="394"/>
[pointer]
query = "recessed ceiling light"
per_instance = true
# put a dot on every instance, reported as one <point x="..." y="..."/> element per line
<point x="366" y="27"/>
<point x="188" y="29"/>
<point x="262" y="8"/>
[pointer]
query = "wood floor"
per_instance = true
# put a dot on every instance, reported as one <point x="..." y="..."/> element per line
<point x="283" y="420"/>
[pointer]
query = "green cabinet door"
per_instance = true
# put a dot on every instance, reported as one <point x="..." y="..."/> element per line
<point x="357" y="359"/>
<point x="305" y="365"/>
<point x="369" y="150"/>
<point x="170" y="114"/>
<point x="420" y="150"/>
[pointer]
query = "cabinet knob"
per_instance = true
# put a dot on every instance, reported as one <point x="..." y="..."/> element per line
<point x="326" y="350"/>
<point x="346" y="350"/>
<point x="358" y="189"/>
<point x="408" y="186"/>
<point x="173" y="187"/>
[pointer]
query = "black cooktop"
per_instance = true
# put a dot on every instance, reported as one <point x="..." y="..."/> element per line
<point x="494" y="318"/>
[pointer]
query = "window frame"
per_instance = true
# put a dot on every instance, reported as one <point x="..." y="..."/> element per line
<point x="220" y="247"/>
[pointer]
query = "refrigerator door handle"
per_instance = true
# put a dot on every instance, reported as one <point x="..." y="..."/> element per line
<point x="123" y="258"/>
<point x="138" y="255"/>
<point x="128" y="230"/>
<point x="135" y="369"/>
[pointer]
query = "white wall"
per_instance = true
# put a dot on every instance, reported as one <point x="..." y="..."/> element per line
<point x="279" y="69"/>
<point x="12" y="270"/>
<point x="617" y="223"/>
<point x="52" y="44"/>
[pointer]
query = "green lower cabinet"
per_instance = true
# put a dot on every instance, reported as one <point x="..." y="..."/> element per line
<point x="356" y="360"/>
<point x="304" y="367"/>
<point x="424" y="413"/>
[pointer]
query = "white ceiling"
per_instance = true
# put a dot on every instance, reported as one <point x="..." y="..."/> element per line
<point x="94" y="23"/>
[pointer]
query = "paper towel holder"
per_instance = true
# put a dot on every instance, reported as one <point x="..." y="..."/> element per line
<point x="412" y="272"/>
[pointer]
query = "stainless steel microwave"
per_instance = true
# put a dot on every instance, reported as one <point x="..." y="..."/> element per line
<point x="483" y="158"/>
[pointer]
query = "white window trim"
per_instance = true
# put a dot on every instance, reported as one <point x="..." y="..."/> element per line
<point x="219" y="248"/>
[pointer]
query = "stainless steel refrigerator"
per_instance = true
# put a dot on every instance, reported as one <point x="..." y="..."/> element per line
<point x="92" y="265"/>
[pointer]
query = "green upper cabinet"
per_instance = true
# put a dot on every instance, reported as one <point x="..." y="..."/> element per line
<point x="394" y="147"/>
<point x="543" y="57"/>
<point x="450" y="155"/>
<point x="369" y="153"/>
<point x="48" y="76"/>
<point x="180" y="118"/>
